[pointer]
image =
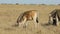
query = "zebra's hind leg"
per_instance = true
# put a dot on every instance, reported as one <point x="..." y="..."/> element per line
<point x="50" y="20"/>
<point x="57" y="22"/>
<point x="54" y="21"/>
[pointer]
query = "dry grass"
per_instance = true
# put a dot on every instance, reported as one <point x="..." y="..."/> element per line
<point x="10" y="13"/>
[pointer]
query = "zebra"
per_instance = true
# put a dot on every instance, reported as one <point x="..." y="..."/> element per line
<point x="54" y="17"/>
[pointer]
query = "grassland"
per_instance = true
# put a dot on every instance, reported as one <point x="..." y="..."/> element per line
<point x="10" y="13"/>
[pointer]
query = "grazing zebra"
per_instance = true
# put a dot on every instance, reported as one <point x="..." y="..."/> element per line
<point x="54" y="17"/>
<point x="27" y="16"/>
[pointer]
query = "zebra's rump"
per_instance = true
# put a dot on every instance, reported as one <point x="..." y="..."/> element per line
<point x="56" y="12"/>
